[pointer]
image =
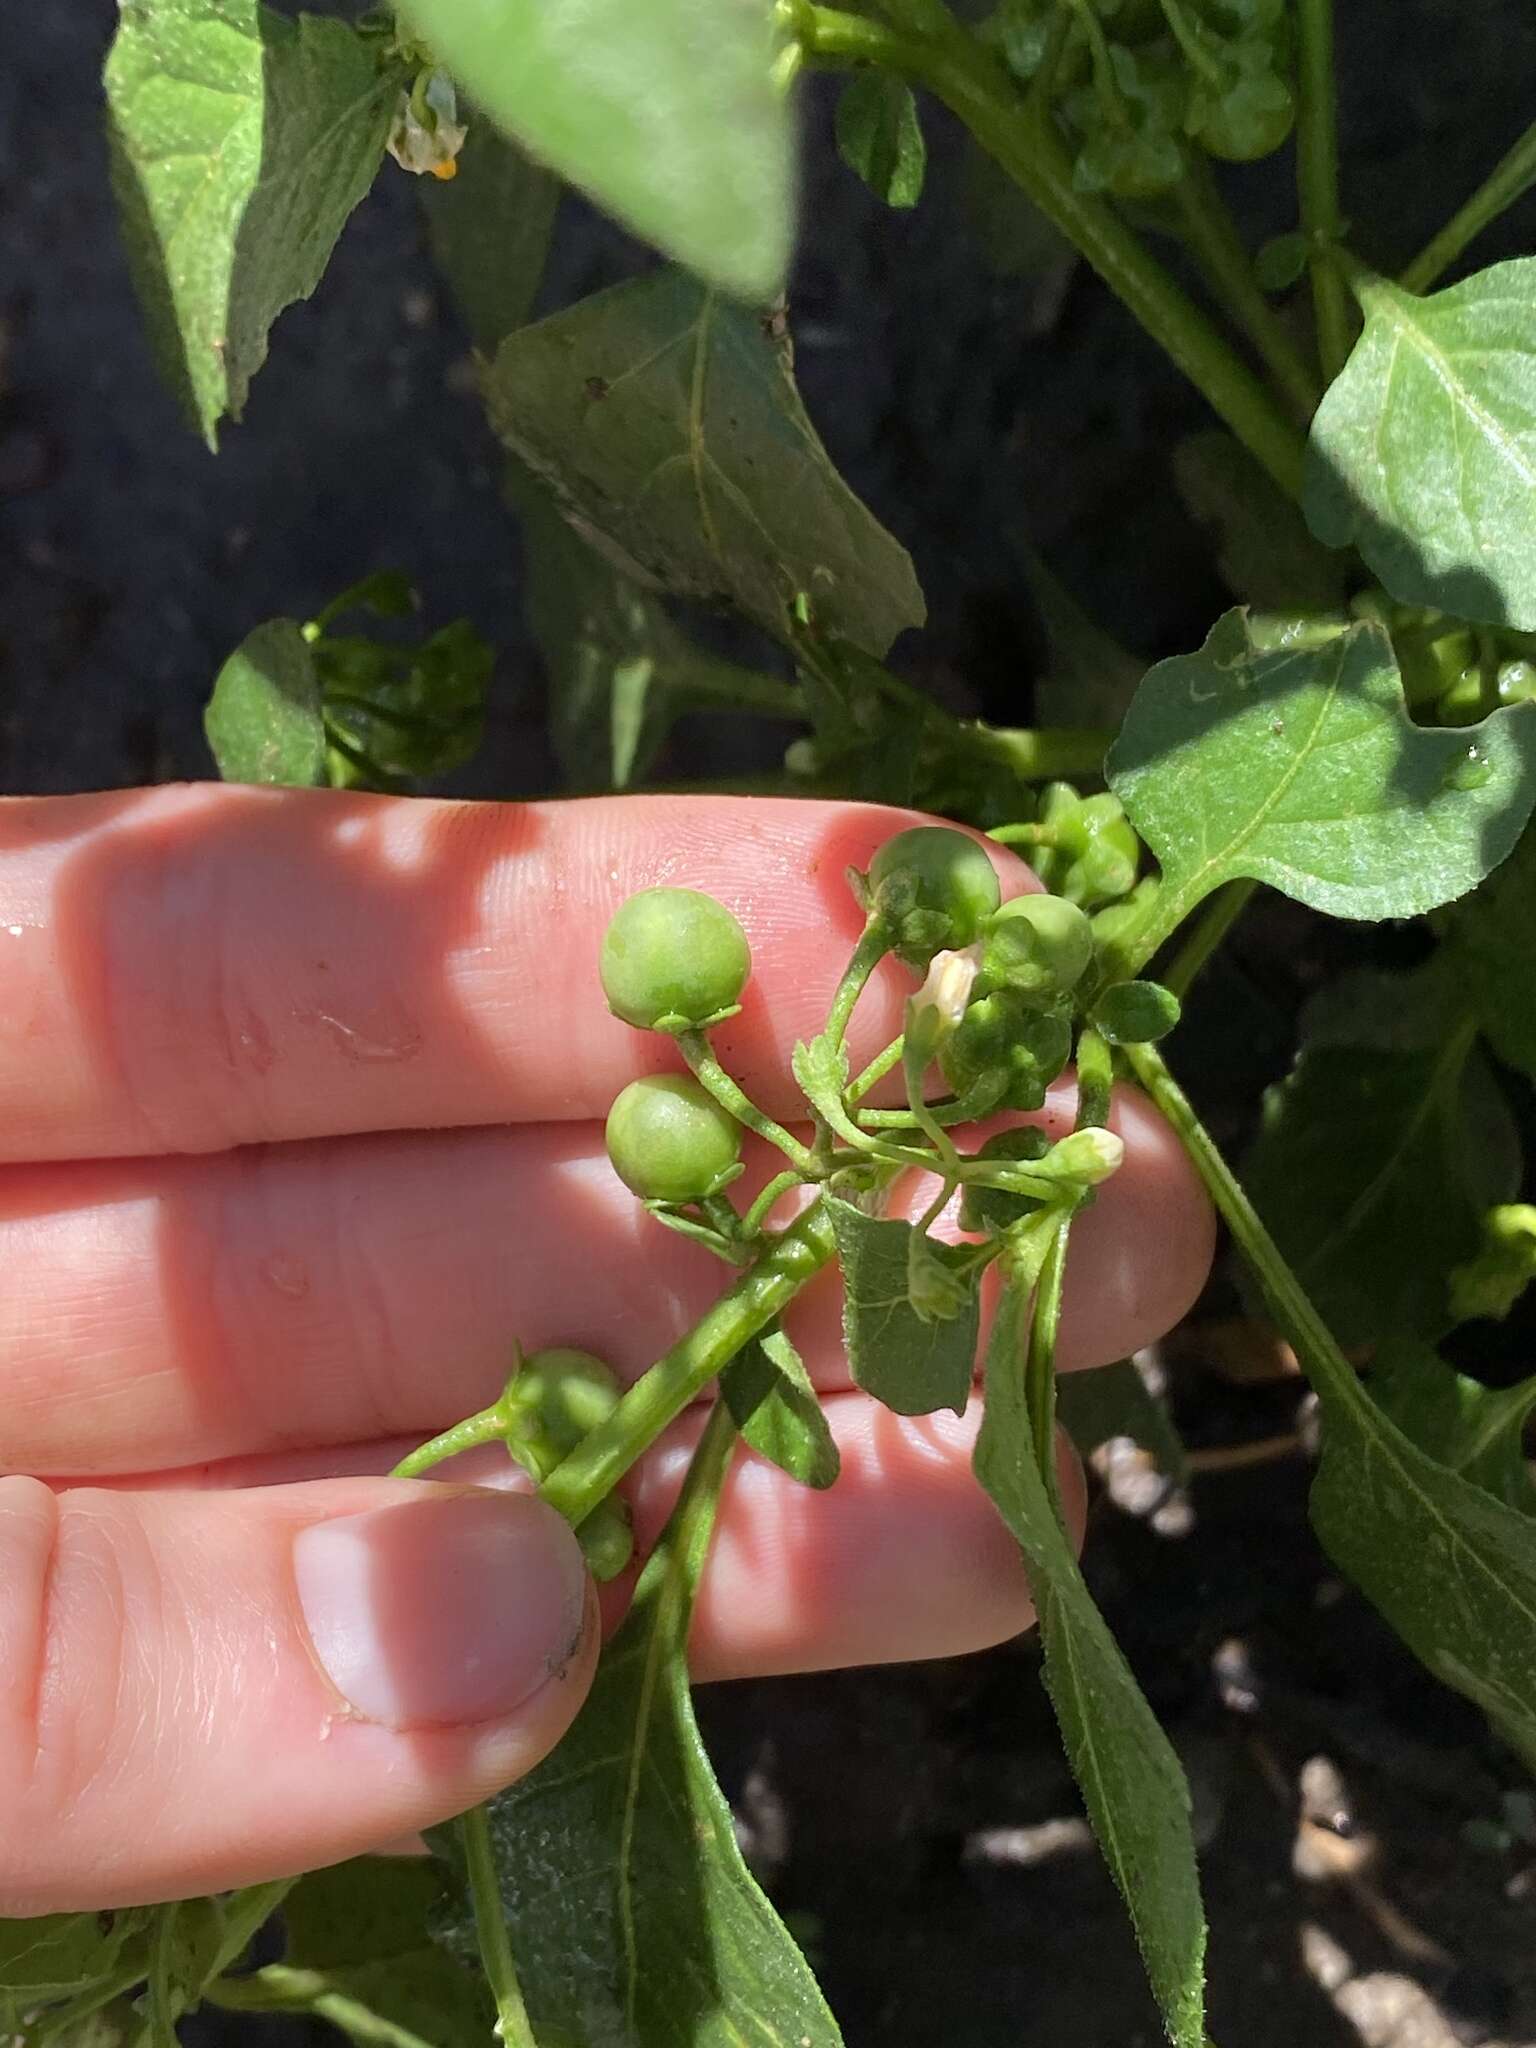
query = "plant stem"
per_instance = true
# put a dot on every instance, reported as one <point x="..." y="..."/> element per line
<point x="1317" y="181"/>
<point x="281" y="1988"/>
<point x="1308" y="1335"/>
<point x="488" y="1427"/>
<point x="726" y="686"/>
<point x="1051" y="754"/>
<point x="1040" y="1366"/>
<point x="743" y="1312"/>
<point x="1216" y="920"/>
<point x="877" y="1070"/>
<point x="1512" y="175"/>
<point x="974" y="86"/>
<point x="874" y="944"/>
<point x="708" y="1072"/>
<point x="1212" y="235"/>
<point x="512" y="2021"/>
<point x="1095" y="1080"/>
<point x="757" y="1214"/>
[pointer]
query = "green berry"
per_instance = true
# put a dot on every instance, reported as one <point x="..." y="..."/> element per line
<point x="1009" y="1042"/>
<point x="670" y="1141"/>
<point x="607" y="1539"/>
<point x="558" y="1397"/>
<point x="1039" y="945"/>
<point x="674" y="960"/>
<point x="936" y="886"/>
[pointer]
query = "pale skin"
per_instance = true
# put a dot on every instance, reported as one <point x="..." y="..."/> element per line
<point x="300" y="1126"/>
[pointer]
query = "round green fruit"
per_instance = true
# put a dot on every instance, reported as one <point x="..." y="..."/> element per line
<point x="937" y="885"/>
<point x="670" y="1141"/>
<point x="674" y="960"/>
<point x="1039" y="945"/>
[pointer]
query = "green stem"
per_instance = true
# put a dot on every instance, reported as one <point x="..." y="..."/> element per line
<point x="1052" y="754"/>
<point x="1317" y="181"/>
<point x="512" y="2021"/>
<point x="1511" y="176"/>
<point x="724" y="686"/>
<point x="757" y="1214"/>
<point x="1095" y="1080"/>
<point x="1308" y="1335"/>
<point x="708" y="1072"/>
<point x="975" y="87"/>
<point x="1040" y="1366"/>
<point x="280" y="1988"/>
<point x="743" y="1312"/>
<point x="874" y="944"/>
<point x="1218" y="248"/>
<point x="1215" y="921"/>
<point x="876" y="1071"/>
<point x="488" y="1427"/>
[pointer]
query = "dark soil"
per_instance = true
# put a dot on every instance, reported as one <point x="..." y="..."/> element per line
<point x="967" y="406"/>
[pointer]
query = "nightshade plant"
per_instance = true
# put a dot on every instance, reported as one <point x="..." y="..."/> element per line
<point x="1356" y="732"/>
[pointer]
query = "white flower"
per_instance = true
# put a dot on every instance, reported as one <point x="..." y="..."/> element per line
<point x="427" y="135"/>
<point x="951" y="977"/>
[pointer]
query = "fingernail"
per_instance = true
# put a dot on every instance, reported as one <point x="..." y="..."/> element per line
<point x="445" y="1612"/>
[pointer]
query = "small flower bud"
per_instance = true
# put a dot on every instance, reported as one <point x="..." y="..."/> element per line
<point x="1086" y="1157"/>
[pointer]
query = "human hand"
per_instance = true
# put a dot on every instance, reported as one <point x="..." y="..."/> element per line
<point x="300" y="1116"/>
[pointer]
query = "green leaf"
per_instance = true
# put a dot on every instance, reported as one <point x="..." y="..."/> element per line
<point x="620" y="673"/>
<point x="1135" y="1012"/>
<point x="1493" y="941"/>
<point x="1475" y="1430"/>
<point x="401" y="713"/>
<point x="1380" y="1152"/>
<point x="489" y="230"/>
<point x="1423" y="451"/>
<point x="634" y="1920"/>
<point x="1264" y="552"/>
<point x="1299" y="766"/>
<point x="667" y="424"/>
<point x="1090" y="678"/>
<point x="880" y="137"/>
<point x="1452" y="1568"/>
<point x="362" y="1928"/>
<point x="43" y="1962"/>
<point x="241" y="141"/>
<point x="667" y="115"/>
<point x="1503" y="1267"/>
<point x="264" y="720"/>
<point x="912" y="1365"/>
<point x="1131" y="1781"/>
<point x="769" y="1392"/>
<point x="1114" y="1401"/>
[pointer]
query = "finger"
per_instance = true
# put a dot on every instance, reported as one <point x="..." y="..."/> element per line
<point x="204" y="1691"/>
<point x="191" y="969"/>
<point x="159" y="1314"/>
<point x="904" y="1558"/>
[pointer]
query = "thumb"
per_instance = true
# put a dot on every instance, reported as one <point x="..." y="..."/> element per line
<point x="199" y="1691"/>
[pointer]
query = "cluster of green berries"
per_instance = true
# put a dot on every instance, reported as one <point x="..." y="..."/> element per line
<point x="676" y="961"/>
<point x="1453" y="673"/>
<point x="1140" y="82"/>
